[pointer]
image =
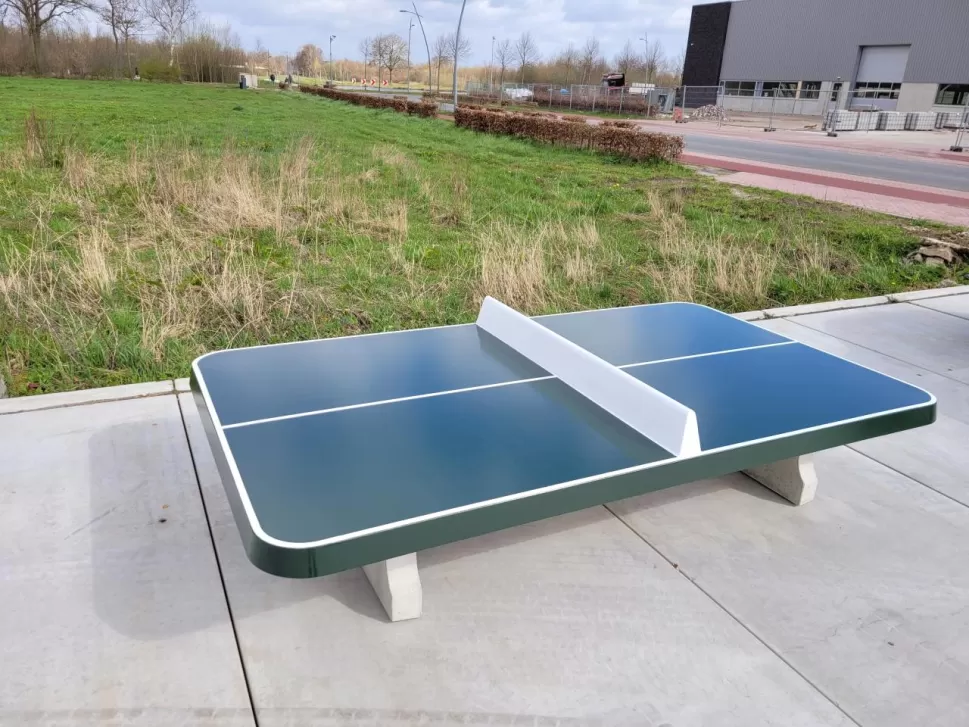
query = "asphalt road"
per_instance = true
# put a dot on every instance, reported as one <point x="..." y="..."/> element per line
<point x="945" y="175"/>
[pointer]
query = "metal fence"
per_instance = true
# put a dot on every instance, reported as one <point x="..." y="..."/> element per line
<point x="741" y="104"/>
<point x="643" y="101"/>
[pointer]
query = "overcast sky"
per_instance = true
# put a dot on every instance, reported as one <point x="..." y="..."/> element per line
<point x="284" y="25"/>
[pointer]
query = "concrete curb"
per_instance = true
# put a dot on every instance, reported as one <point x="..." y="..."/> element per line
<point x="925" y="294"/>
<point x="832" y="305"/>
<point x="20" y="404"/>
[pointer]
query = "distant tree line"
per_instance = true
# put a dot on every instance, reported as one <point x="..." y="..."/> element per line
<point x="48" y="37"/>
<point x="519" y="60"/>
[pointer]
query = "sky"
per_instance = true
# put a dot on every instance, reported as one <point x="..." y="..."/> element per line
<point x="282" y="26"/>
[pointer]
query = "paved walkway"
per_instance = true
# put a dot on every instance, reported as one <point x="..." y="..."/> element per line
<point x="128" y="600"/>
<point x="902" y="200"/>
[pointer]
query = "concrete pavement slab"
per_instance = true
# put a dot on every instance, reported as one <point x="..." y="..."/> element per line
<point x="936" y="455"/>
<point x="113" y="611"/>
<point x="863" y="590"/>
<point x="926" y="338"/>
<point x="570" y="621"/>
<point x="183" y="385"/>
<point x="957" y="305"/>
<point x="18" y="404"/>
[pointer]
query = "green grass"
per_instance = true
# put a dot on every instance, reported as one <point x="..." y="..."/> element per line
<point x="142" y="225"/>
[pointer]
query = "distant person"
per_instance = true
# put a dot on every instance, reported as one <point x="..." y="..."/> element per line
<point x="272" y="78"/>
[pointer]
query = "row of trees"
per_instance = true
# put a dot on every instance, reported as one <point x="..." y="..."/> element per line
<point x="584" y="65"/>
<point x="125" y="19"/>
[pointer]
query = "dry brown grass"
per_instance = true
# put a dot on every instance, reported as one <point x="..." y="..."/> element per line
<point x="537" y="267"/>
<point x="185" y="252"/>
<point x="513" y="266"/>
<point x="707" y="264"/>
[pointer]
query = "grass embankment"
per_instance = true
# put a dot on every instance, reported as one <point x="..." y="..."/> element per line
<point x="141" y="225"/>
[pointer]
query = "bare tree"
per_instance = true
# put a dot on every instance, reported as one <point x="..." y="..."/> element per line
<point x="463" y="50"/>
<point x="570" y="59"/>
<point x="36" y="14"/>
<point x="504" y="55"/>
<point x="590" y="57"/>
<point x="525" y="52"/>
<point x="652" y="61"/>
<point x="125" y="19"/>
<point x="309" y="59"/>
<point x="674" y="67"/>
<point x="626" y="59"/>
<point x="170" y="17"/>
<point x="442" y="54"/>
<point x="443" y="50"/>
<point x="390" y="52"/>
<point x="366" y="50"/>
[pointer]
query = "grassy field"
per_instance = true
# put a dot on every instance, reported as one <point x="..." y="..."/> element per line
<point x="142" y="225"/>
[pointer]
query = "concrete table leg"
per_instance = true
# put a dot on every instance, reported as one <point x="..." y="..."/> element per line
<point x="398" y="586"/>
<point x="793" y="479"/>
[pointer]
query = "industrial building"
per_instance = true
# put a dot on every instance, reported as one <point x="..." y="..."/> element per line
<point x="892" y="55"/>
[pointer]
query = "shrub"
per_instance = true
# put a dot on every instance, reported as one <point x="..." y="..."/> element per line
<point x="574" y="119"/>
<point x="426" y="109"/>
<point x="621" y="141"/>
<point x="159" y="70"/>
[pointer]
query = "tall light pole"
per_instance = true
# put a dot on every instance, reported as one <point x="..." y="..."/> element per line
<point x="491" y="68"/>
<point x="331" y="57"/>
<point x="457" y="52"/>
<point x="646" y="56"/>
<point x="409" y="29"/>
<point x="420" y="22"/>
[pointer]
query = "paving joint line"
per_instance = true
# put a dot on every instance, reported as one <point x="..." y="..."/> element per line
<point x="907" y="476"/>
<point x="875" y="350"/>
<point x="72" y="405"/>
<point x="218" y="565"/>
<point x="936" y="310"/>
<point x="734" y="617"/>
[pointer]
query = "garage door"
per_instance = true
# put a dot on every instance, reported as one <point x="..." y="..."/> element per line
<point x="883" y="63"/>
<point x="880" y="75"/>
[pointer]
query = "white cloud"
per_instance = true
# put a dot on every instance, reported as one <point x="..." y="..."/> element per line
<point x="285" y="25"/>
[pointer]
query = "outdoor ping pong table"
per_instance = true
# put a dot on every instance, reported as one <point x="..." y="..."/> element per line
<point x="360" y="451"/>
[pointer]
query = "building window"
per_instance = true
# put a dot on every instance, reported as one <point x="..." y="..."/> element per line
<point x="874" y="89"/>
<point x="739" y="88"/>
<point x="952" y="94"/>
<point x="811" y="89"/>
<point x="784" y="89"/>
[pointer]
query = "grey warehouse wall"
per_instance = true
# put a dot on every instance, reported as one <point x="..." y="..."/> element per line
<point x="817" y="40"/>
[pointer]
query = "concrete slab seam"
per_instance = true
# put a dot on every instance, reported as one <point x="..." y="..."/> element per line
<point x="882" y="353"/>
<point x="734" y="617"/>
<point x="218" y="563"/>
<point x="75" y="404"/>
<point x="908" y="477"/>
<point x="828" y="307"/>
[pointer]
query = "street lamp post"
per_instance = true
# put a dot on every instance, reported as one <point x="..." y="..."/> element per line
<point x="331" y="57"/>
<point x="409" y="29"/>
<point x="457" y="52"/>
<point x="420" y="22"/>
<point x="646" y="56"/>
<point x="491" y="68"/>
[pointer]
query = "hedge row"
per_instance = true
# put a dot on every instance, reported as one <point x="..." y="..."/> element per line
<point x="629" y="143"/>
<point x="427" y="109"/>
